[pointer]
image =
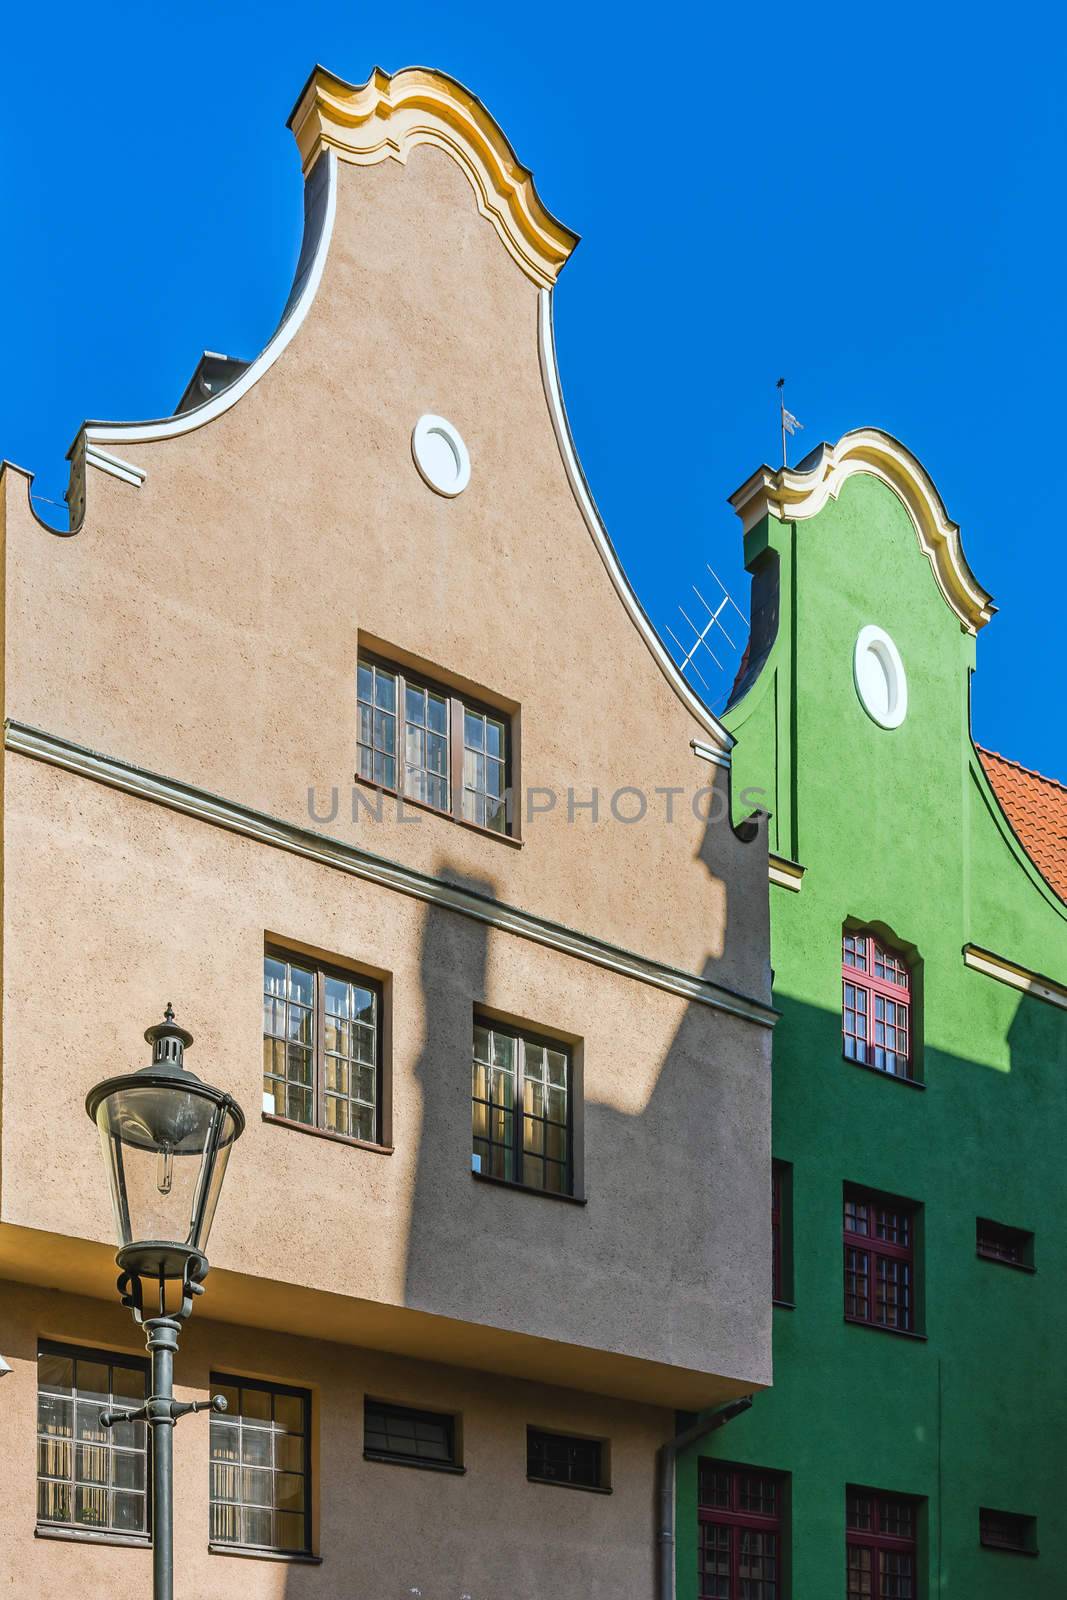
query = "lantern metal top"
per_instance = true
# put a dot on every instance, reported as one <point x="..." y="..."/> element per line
<point x="166" y="1138"/>
<point x="166" y="1069"/>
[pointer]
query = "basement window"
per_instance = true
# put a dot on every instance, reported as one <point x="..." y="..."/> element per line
<point x="409" y="1437"/>
<point x="1007" y="1530"/>
<point x="1012" y="1247"/>
<point x="565" y="1459"/>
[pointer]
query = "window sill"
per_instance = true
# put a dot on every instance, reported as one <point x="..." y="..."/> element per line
<point x="301" y="1558"/>
<point x="877" y="1327"/>
<point x="1013" y="1266"/>
<point x="136" y="1541"/>
<point x="528" y="1188"/>
<point x="880" y="1072"/>
<point x="411" y="1461"/>
<point x="1007" y="1549"/>
<point x="558" y="1483"/>
<point x="327" y="1133"/>
<point x="405" y="800"/>
<point x="785" y="1305"/>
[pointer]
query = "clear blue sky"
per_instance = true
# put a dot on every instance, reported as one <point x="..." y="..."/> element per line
<point x="867" y="201"/>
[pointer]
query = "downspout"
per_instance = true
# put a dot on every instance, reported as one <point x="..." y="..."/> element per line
<point x="667" y="1461"/>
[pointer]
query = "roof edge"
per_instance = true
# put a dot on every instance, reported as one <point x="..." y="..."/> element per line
<point x="789" y="494"/>
<point x="320" y="204"/>
<point x="724" y="739"/>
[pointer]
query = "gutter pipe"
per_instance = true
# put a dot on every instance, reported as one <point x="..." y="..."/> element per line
<point x="667" y="1461"/>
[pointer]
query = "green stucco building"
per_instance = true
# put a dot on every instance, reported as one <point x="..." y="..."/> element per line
<point x="915" y="1440"/>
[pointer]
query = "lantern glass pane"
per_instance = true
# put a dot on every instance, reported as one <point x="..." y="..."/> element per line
<point x="159" y="1144"/>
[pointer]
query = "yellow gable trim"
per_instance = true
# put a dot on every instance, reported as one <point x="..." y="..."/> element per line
<point x="789" y="496"/>
<point x="391" y="114"/>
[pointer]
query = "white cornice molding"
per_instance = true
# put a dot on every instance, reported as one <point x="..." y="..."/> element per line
<point x="723" y="740"/>
<point x="789" y="495"/>
<point x="317" y="249"/>
<point x="786" y="874"/>
<point x="1014" y="976"/>
<point x="114" y="465"/>
<point x="343" y="857"/>
<point x="392" y="114"/>
<point x="709" y="752"/>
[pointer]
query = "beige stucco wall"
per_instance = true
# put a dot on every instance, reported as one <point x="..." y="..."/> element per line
<point x="131" y="905"/>
<point x="205" y="626"/>
<point x="381" y="1530"/>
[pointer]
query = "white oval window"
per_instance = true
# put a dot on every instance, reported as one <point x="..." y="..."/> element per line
<point x="440" y="455"/>
<point x="880" y="681"/>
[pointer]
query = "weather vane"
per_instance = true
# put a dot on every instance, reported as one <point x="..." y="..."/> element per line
<point x="789" y="422"/>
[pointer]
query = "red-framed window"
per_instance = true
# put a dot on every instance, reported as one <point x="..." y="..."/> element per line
<point x="875" y="1005"/>
<point x="740" y="1512"/>
<point x="781" y="1233"/>
<point x="879" y="1261"/>
<point x="881" y="1546"/>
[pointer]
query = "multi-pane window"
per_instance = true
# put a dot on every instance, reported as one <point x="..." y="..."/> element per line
<point x="879" y="1261"/>
<point x="484" y="769"/>
<point x="1007" y="1530"/>
<point x="881" y="1546"/>
<point x="740" y="1515"/>
<point x="321" y="1047"/>
<point x="261" y="1466"/>
<point x="1012" y="1246"/>
<point x="432" y="745"/>
<point x="89" y="1477"/>
<point x="426" y="746"/>
<point x="563" y="1458"/>
<point x="781" y="1227"/>
<point x="876" y="1005"/>
<point x="521" y="1109"/>
<point x="417" y="1438"/>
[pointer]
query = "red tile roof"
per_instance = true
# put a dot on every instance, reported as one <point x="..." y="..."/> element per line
<point x="1036" y="807"/>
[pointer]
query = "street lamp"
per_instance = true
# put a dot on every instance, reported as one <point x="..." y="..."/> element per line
<point x="166" y="1138"/>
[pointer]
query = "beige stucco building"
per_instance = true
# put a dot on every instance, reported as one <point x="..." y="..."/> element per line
<point x="368" y="558"/>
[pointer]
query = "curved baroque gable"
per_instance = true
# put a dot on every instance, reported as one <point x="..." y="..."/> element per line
<point x="791" y="495"/>
<point x="390" y="115"/>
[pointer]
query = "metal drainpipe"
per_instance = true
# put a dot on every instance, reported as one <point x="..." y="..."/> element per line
<point x="667" y="1463"/>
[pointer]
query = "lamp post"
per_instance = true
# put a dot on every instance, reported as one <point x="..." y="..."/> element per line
<point x="166" y="1138"/>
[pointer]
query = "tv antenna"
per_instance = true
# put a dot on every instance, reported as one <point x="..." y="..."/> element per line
<point x="710" y="634"/>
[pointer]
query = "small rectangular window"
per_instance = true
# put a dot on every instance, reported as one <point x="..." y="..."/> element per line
<point x="740" y="1519"/>
<point x="879" y="1236"/>
<point x="261" y="1466"/>
<point x="1013" y="1247"/>
<point x="1007" y="1530"/>
<point x="321" y="1047"/>
<point x="415" y="1438"/>
<point x="881" y="1539"/>
<point x="564" y="1458"/>
<point x="433" y="745"/>
<point x="521" y="1108"/>
<point x="90" y="1478"/>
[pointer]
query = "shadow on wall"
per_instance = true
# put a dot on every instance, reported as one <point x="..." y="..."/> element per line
<point x="524" y="1261"/>
<point x="973" y="1414"/>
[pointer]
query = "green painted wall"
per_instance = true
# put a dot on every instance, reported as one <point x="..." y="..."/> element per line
<point x="899" y="828"/>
